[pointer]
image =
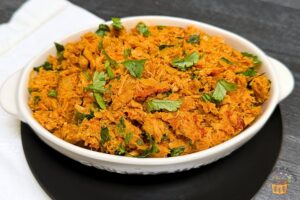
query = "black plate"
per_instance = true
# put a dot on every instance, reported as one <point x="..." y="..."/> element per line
<point x="238" y="176"/>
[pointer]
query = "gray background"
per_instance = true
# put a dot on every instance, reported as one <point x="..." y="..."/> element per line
<point x="274" y="25"/>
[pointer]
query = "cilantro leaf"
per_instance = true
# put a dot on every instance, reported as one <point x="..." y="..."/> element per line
<point x="36" y="99"/>
<point x="86" y="75"/>
<point x="135" y="67"/>
<point x="177" y="151"/>
<point x="121" y="126"/>
<point x="221" y="89"/>
<point x="128" y="137"/>
<point x="142" y="29"/>
<point x="219" y="93"/>
<point x="163" y="46"/>
<point x="139" y="142"/>
<point x="226" y="60"/>
<point x="227" y="85"/>
<point x="249" y="72"/>
<point x="254" y="58"/>
<point x="127" y="53"/>
<point x="121" y="150"/>
<point x="152" y="148"/>
<point x="187" y="62"/>
<point x="52" y="93"/>
<point x="104" y="135"/>
<point x="59" y="51"/>
<point x="194" y="39"/>
<point x="109" y="70"/>
<point x="99" y="100"/>
<point x="102" y="30"/>
<point x="169" y="105"/>
<point x="117" y="23"/>
<point x="206" y="97"/>
<point x="160" y="27"/>
<point x="80" y="116"/>
<point x="99" y="80"/>
<point x="47" y="66"/>
<point x="112" y="61"/>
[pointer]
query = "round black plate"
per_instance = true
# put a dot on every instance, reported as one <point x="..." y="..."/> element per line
<point x="238" y="176"/>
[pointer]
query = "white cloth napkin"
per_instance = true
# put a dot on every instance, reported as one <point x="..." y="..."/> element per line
<point x="35" y="25"/>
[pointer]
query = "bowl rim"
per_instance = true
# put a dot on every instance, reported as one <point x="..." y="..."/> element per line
<point x="245" y="135"/>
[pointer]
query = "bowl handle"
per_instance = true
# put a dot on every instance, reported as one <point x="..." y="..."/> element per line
<point x="285" y="78"/>
<point x="8" y="94"/>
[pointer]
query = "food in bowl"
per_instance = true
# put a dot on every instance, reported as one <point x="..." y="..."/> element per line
<point x="153" y="91"/>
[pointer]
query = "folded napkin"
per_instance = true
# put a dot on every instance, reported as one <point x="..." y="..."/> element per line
<point x="35" y="25"/>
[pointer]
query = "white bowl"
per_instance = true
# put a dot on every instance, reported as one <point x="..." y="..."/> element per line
<point x="14" y="97"/>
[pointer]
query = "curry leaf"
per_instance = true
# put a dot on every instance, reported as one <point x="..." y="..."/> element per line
<point x="187" y="62"/>
<point x="135" y="67"/>
<point x="169" y="105"/>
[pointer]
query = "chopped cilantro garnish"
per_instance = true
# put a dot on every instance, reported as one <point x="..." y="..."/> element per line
<point x="143" y="29"/>
<point x="187" y="62"/>
<point x="52" y="93"/>
<point x="249" y="72"/>
<point x="177" y="151"/>
<point x="102" y="30"/>
<point x="226" y="60"/>
<point x="112" y="61"/>
<point x="128" y="137"/>
<point x="194" y="39"/>
<point x="59" y="51"/>
<point x="104" y="135"/>
<point x="157" y="104"/>
<point x="163" y="46"/>
<point x="127" y="53"/>
<point x="254" y="58"/>
<point x="117" y="23"/>
<point x="109" y="70"/>
<point x="220" y="91"/>
<point x="135" y="67"/>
